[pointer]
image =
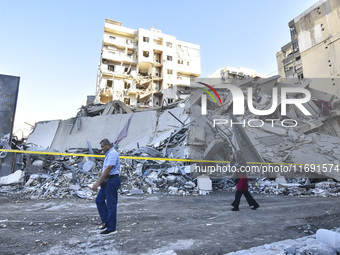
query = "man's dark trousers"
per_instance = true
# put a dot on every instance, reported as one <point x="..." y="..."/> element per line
<point x="106" y="201"/>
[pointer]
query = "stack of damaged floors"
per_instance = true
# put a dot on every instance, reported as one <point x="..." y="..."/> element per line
<point x="294" y="145"/>
<point x="180" y="131"/>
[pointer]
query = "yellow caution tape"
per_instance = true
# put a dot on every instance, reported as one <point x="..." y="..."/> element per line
<point x="147" y="158"/>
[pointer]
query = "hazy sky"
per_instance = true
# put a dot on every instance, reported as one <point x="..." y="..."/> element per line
<point x="54" y="46"/>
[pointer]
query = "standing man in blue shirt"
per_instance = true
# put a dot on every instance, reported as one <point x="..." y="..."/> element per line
<point x="109" y="181"/>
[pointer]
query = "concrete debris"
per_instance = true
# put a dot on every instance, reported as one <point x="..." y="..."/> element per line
<point x="204" y="183"/>
<point x="292" y="187"/>
<point x="313" y="140"/>
<point x="331" y="238"/>
<point x="301" y="246"/>
<point x="65" y="177"/>
<point x="180" y="134"/>
<point x="14" y="178"/>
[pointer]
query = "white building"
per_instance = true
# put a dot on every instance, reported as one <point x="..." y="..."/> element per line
<point x="144" y="68"/>
<point x="239" y="73"/>
<point x="314" y="49"/>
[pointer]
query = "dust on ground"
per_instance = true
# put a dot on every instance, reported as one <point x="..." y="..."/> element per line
<point x="160" y="224"/>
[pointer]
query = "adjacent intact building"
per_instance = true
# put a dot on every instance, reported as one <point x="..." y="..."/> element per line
<point x="314" y="49"/>
<point x="144" y="67"/>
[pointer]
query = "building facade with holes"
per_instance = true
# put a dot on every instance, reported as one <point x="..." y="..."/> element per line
<point x="314" y="49"/>
<point x="144" y="67"/>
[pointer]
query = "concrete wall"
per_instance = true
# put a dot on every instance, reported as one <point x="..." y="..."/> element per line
<point x="317" y="36"/>
<point x="94" y="129"/>
<point x="318" y="31"/>
<point x="9" y="87"/>
<point x="147" y="127"/>
<point x="44" y="133"/>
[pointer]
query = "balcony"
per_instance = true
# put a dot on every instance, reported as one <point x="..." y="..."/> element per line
<point x="118" y="56"/>
<point x="119" y="42"/>
<point x="112" y="28"/>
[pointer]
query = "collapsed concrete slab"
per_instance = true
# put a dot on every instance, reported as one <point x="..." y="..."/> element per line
<point x="94" y="129"/>
<point x="177" y="132"/>
<point x="43" y="133"/>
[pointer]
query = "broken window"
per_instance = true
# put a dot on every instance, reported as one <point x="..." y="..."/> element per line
<point x="295" y="45"/>
<point x="169" y="44"/>
<point x="130" y="53"/>
<point x="158" y="41"/>
<point x="157" y="57"/>
<point x="145" y="54"/>
<point x="169" y="71"/>
<point x="145" y="39"/>
<point x="109" y="83"/>
<point x="127" y="101"/>
<point x="169" y="58"/>
<point x="111" y="67"/>
<point x="126" y="85"/>
<point x="292" y="31"/>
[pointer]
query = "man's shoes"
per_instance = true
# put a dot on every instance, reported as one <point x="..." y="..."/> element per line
<point x="255" y="207"/>
<point x="108" y="232"/>
<point x="103" y="226"/>
<point x="235" y="209"/>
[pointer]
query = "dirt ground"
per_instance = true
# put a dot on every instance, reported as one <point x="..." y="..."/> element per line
<point x="160" y="224"/>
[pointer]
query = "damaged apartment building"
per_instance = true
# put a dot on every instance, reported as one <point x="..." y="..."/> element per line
<point x="144" y="68"/>
<point x="314" y="49"/>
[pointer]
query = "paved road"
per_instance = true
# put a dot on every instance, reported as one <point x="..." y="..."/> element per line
<point x="159" y="224"/>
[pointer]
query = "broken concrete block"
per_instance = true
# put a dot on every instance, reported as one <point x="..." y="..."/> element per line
<point x="89" y="166"/>
<point x="189" y="185"/>
<point x="314" y="246"/>
<point x="281" y="179"/>
<point x="293" y="136"/>
<point x="291" y="250"/>
<point x="273" y="129"/>
<point x="16" y="177"/>
<point x="173" y="190"/>
<point x="136" y="192"/>
<point x="84" y="194"/>
<point x="38" y="163"/>
<point x="74" y="187"/>
<point x="149" y="190"/>
<point x="204" y="183"/>
<point x="171" y="178"/>
<point x="330" y="238"/>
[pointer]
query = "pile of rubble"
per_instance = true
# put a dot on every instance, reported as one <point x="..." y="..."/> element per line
<point x="65" y="176"/>
<point x="283" y="186"/>
<point x="184" y="133"/>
